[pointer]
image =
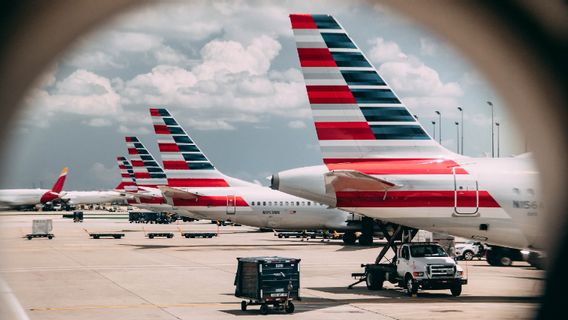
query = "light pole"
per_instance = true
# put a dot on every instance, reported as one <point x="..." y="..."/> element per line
<point x="492" y="131"/>
<point x="434" y="130"/>
<point x="458" y="136"/>
<point x="439" y="126"/>
<point x="498" y="137"/>
<point x="461" y="144"/>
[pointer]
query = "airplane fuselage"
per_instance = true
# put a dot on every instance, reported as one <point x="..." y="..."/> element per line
<point x="492" y="200"/>
<point x="12" y="198"/>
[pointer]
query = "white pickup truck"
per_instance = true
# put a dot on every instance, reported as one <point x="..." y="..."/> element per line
<point x="418" y="266"/>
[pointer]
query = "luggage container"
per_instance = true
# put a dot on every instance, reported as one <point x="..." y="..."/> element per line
<point x="271" y="282"/>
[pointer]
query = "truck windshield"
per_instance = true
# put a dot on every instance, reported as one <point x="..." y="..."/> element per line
<point x="427" y="251"/>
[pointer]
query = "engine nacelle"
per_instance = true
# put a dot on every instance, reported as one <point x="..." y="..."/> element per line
<point x="306" y="182"/>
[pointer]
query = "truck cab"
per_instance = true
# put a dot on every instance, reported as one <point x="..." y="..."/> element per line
<point x="428" y="266"/>
<point x="418" y="265"/>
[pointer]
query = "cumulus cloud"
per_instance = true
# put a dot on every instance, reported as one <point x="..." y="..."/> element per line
<point x="104" y="174"/>
<point x="82" y="92"/>
<point x="427" y="47"/>
<point x="416" y="83"/>
<point x="296" y="124"/>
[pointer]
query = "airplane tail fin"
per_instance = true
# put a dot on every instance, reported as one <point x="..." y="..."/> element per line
<point x="127" y="181"/>
<point x="184" y="162"/>
<point x="357" y="115"/>
<point x="147" y="171"/>
<point x="58" y="185"/>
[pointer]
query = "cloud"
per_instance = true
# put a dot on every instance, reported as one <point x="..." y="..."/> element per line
<point x="418" y="85"/>
<point x="82" y="92"/>
<point x="104" y="174"/>
<point x="296" y="124"/>
<point x="428" y="47"/>
<point x="385" y="51"/>
<point x="98" y="122"/>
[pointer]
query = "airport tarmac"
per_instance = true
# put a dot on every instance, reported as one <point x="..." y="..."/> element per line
<point x="75" y="277"/>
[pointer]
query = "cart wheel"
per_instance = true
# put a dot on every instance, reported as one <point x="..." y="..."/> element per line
<point x="96" y="237"/>
<point x="290" y="307"/>
<point x="117" y="237"/>
<point x="243" y="305"/>
<point x="151" y="236"/>
<point x="29" y="237"/>
<point x="264" y="309"/>
<point x="170" y="236"/>
<point x="50" y="237"/>
<point x="187" y="236"/>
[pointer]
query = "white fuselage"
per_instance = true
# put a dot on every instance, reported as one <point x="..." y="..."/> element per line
<point x="503" y="207"/>
<point x="10" y="198"/>
<point x="92" y="197"/>
<point x="254" y="206"/>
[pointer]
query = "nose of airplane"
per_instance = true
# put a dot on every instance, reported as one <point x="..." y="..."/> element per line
<point x="275" y="181"/>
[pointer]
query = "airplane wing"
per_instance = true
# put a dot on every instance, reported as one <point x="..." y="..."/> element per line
<point x="349" y="180"/>
<point x="177" y="194"/>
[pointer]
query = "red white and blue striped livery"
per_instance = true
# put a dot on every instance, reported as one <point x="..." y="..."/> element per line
<point x="127" y="179"/>
<point x="185" y="164"/>
<point x="380" y="162"/>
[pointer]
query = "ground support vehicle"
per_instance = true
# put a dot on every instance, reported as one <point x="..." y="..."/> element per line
<point x="106" y="235"/>
<point x="41" y="229"/>
<point x="152" y="235"/>
<point x="271" y="282"/>
<point x="198" y="234"/>
<point x="415" y="265"/>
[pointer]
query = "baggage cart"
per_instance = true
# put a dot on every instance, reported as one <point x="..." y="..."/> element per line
<point x="271" y="282"/>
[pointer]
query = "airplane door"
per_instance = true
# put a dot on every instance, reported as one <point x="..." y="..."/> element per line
<point x="466" y="194"/>
<point x="231" y="204"/>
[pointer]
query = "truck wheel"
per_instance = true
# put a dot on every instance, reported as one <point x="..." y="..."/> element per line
<point x="410" y="286"/>
<point x="456" y="290"/>
<point x="264" y="309"/>
<point x="243" y="305"/>
<point x="374" y="280"/>
<point x="349" y="238"/>
<point x="366" y="239"/>
<point x="290" y="307"/>
<point x="467" y="255"/>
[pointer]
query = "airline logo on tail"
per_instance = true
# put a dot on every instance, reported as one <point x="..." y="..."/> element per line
<point x="55" y="191"/>
<point x="357" y="115"/>
<point x="128" y="181"/>
<point x="147" y="171"/>
<point x="184" y="163"/>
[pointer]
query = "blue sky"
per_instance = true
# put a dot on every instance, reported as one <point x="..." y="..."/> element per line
<point x="228" y="71"/>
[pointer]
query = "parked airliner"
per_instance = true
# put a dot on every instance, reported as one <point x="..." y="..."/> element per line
<point x="381" y="163"/>
<point x="28" y="198"/>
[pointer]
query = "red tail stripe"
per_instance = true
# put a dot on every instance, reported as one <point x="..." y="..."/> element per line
<point x="137" y="163"/>
<point x="330" y="94"/>
<point x="175" y="165"/>
<point x="132" y="151"/>
<point x="318" y="57"/>
<point x="344" y="131"/>
<point x="154" y="112"/>
<point x="209" y="201"/>
<point x="413" y="199"/>
<point x="142" y="175"/>
<point x="161" y="129"/>
<point x="301" y="21"/>
<point x="400" y="166"/>
<point x="182" y="182"/>
<point x="128" y="139"/>
<point x="168" y="147"/>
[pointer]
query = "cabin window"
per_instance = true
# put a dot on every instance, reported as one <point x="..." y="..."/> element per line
<point x="263" y="203"/>
<point x="298" y="203"/>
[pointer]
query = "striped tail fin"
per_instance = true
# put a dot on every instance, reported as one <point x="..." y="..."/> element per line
<point x="184" y="162"/>
<point x="147" y="171"/>
<point x="357" y="116"/>
<point x="127" y="181"/>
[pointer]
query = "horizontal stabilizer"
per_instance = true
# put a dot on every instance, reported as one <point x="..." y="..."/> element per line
<point x="352" y="180"/>
<point x="178" y="194"/>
